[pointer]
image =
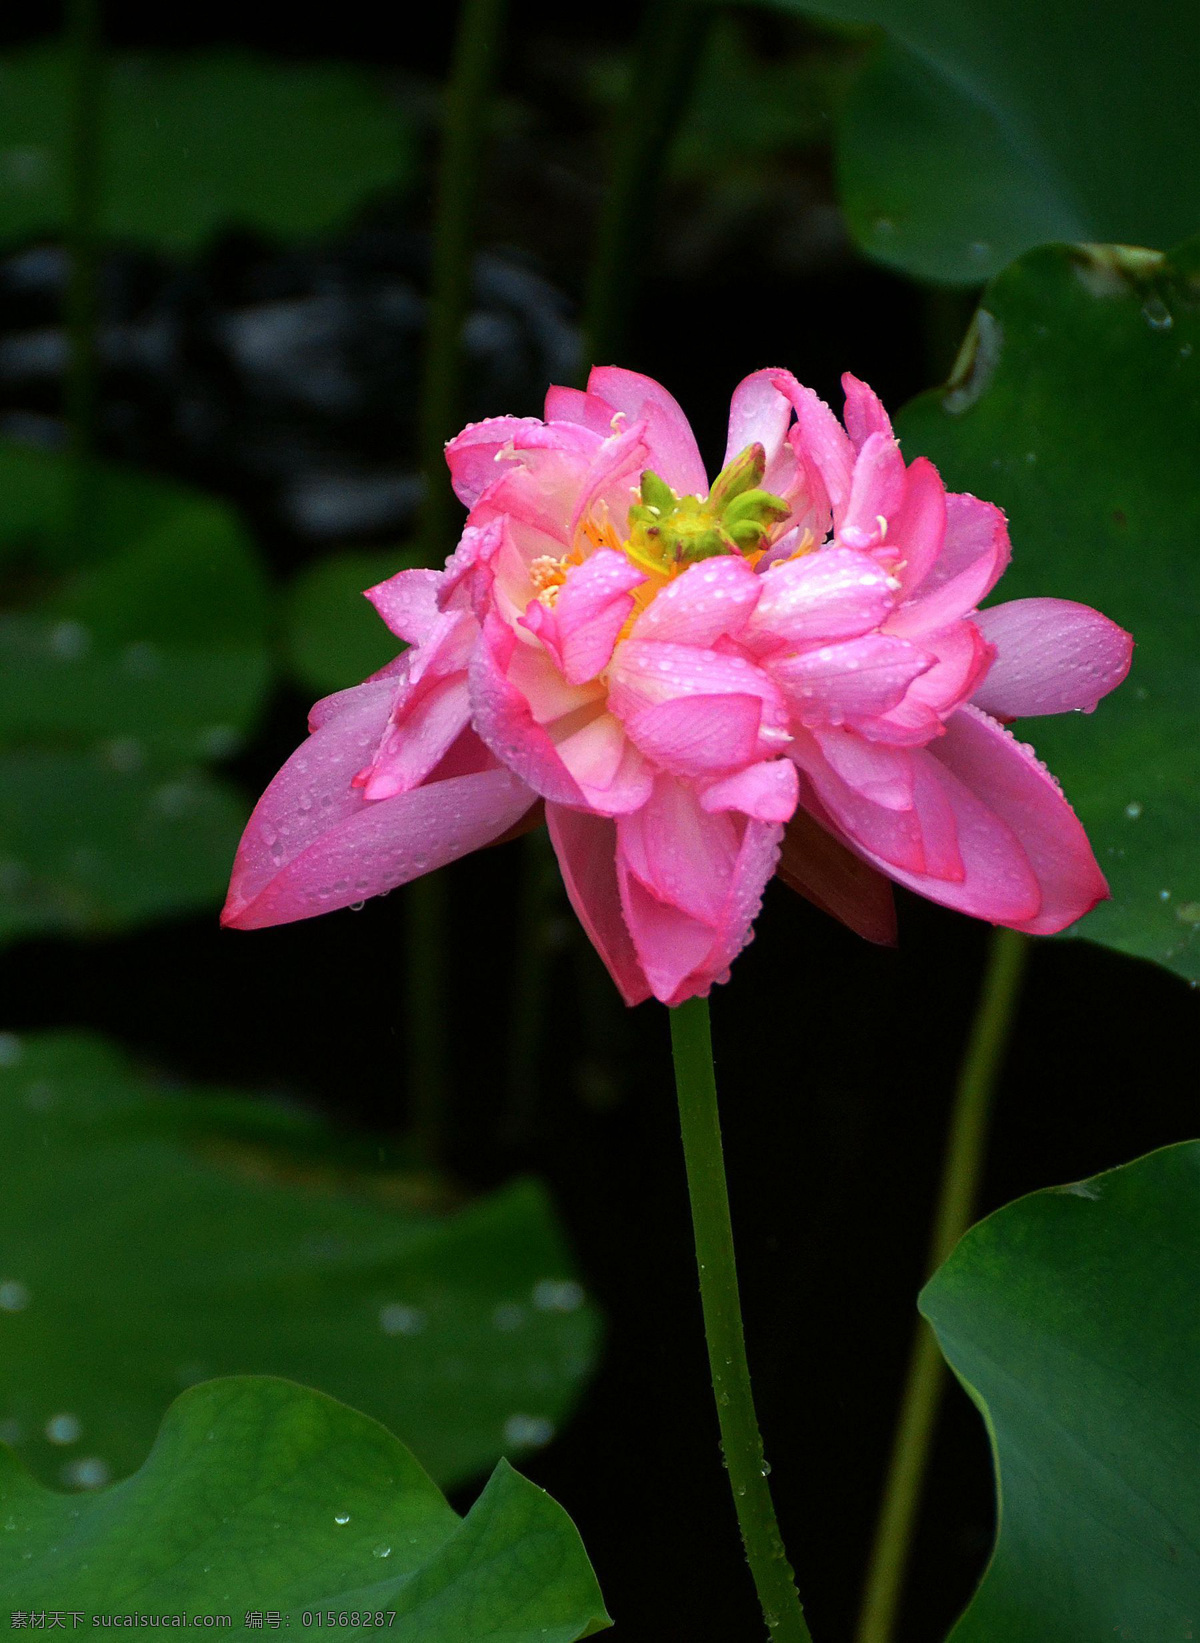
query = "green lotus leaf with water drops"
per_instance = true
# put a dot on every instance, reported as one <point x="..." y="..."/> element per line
<point x="264" y="1499"/>
<point x="1076" y="407"/>
<point x="152" y="1237"/>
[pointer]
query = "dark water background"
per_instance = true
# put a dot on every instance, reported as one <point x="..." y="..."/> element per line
<point x="835" y="1060"/>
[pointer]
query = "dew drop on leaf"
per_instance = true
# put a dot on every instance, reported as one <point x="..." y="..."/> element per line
<point x="1157" y="315"/>
<point x="63" y="1428"/>
<point x="14" y="1297"/>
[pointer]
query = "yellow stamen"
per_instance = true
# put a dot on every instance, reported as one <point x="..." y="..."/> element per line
<point x="601" y="533"/>
<point x="548" y="575"/>
<point x="690" y="518"/>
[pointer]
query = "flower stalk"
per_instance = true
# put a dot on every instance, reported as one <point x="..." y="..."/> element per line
<point x="741" y="1442"/>
<point x="926" y="1376"/>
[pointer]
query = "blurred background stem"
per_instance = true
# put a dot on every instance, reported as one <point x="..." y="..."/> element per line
<point x="666" y="55"/>
<point x="741" y="1442"/>
<point x="947" y="314"/>
<point x="540" y="895"/>
<point x="83" y="185"/>
<point x="427" y="1018"/>
<point x="466" y="115"/>
<point x="925" y="1379"/>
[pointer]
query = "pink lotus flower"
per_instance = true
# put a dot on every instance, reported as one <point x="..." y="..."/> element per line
<point x="787" y="670"/>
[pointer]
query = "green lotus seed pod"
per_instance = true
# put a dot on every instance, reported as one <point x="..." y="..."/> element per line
<point x="743" y="474"/>
<point x="656" y="493"/>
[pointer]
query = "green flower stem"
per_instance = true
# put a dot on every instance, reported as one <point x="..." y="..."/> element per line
<point x="963" y="1166"/>
<point x="468" y="102"/>
<point x="665" y="57"/>
<point x="83" y="185"/>
<point x="741" y="1443"/>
